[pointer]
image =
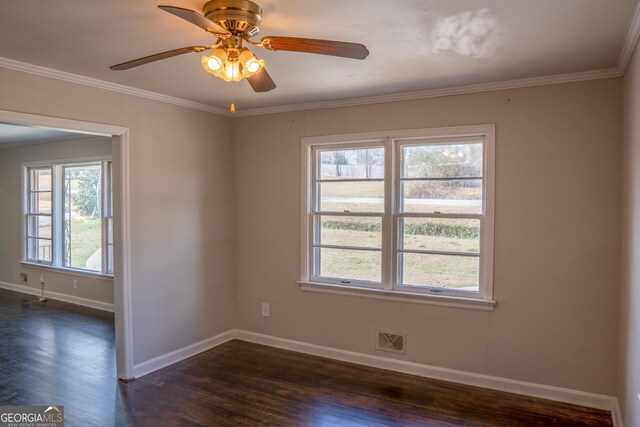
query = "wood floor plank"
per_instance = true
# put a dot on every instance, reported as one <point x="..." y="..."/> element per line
<point x="58" y="353"/>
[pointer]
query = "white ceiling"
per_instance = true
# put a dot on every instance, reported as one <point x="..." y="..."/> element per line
<point x="415" y="45"/>
<point x="12" y="134"/>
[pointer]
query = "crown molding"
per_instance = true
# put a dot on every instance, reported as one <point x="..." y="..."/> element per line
<point x="376" y="99"/>
<point x="433" y="93"/>
<point x="630" y="42"/>
<point x="102" y="84"/>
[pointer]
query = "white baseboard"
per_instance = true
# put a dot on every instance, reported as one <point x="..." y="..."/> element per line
<point x="59" y="296"/>
<point x="542" y="391"/>
<point x="616" y="415"/>
<point x="559" y="394"/>
<point x="167" y="359"/>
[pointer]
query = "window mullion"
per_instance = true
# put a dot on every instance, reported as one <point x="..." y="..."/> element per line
<point x="57" y="212"/>
<point x="388" y="227"/>
<point x="397" y="208"/>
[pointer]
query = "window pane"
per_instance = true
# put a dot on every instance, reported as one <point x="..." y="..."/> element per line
<point x="356" y="163"/>
<point x="40" y="202"/>
<point x="442" y="161"/>
<point x="82" y="226"/>
<point x="440" y="271"/>
<point x="350" y="231"/>
<point x="40" y="179"/>
<point x="458" y="196"/>
<point x="39" y="226"/>
<point x="347" y="264"/>
<point x="39" y="249"/>
<point x="365" y="196"/>
<point x="436" y="234"/>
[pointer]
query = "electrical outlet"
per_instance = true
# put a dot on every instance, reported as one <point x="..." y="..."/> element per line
<point x="265" y="309"/>
<point x="638" y="396"/>
<point x="75" y="284"/>
<point x="42" y="279"/>
<point x="24" y="277"/>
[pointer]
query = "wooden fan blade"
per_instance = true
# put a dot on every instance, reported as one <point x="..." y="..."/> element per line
<point x="197" y="19"/>
<point x="322" y="47"/>
<point x="261" y="82"/>
<point x="157" y="57"/>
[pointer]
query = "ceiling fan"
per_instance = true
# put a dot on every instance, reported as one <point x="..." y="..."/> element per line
<point x="233" y="22"/>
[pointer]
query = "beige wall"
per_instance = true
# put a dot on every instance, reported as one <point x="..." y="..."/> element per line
<point x="198" y="271"/>
<point x="629" y="369"/>
<point x="181" y="205"/>
<point x="11" y="160"/>
<point x="557" y="238"/>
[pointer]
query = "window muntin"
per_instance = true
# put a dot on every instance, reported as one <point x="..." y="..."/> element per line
<point x="66" y="221"/>
<point x="427" y="226"/>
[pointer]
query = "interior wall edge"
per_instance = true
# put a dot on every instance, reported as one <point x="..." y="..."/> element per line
<point x="164" y="360"/>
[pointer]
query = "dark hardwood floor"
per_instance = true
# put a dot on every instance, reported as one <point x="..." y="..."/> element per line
<point x="58" y="353"/>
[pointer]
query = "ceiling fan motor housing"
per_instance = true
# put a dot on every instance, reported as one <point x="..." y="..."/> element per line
<point x="237" y="16"/>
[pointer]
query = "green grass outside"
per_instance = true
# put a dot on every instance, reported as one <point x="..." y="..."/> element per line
<point x="86" y="238"/>
<point x="353" y="189"/>
<point x="452" y="235"/>
<point x="427" y="270"/>
<point x="86" y="235"/>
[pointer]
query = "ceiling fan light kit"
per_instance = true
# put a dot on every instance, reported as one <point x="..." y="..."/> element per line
<point x="231" y="62"/>
<point x="233" y="22"/>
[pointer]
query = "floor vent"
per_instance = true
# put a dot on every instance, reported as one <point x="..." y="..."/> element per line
<point x="391" y="341"/>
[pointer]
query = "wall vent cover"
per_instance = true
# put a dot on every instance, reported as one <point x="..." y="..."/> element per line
<point x="392" y="342"/>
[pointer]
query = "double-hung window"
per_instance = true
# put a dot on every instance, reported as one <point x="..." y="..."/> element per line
<point x="39" y="225"/>
<point x="347" y="213"/>
<point x="68" y="215"/>
<point x="403" y="214"/>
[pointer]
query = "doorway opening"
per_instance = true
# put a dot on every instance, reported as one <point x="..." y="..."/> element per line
<point x="96" y="204"/>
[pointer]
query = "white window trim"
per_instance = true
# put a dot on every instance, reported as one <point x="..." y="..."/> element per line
<point x="26" y="199"/>
<point x="55" y="264"/>
<point x="482" y="300"/>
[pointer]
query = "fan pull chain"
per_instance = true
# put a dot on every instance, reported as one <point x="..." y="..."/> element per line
<point x="234" y="90"/>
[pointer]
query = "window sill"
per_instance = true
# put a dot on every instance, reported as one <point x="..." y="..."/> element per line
<point x="442" y="300"/>
<point x="70" y="271"/>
